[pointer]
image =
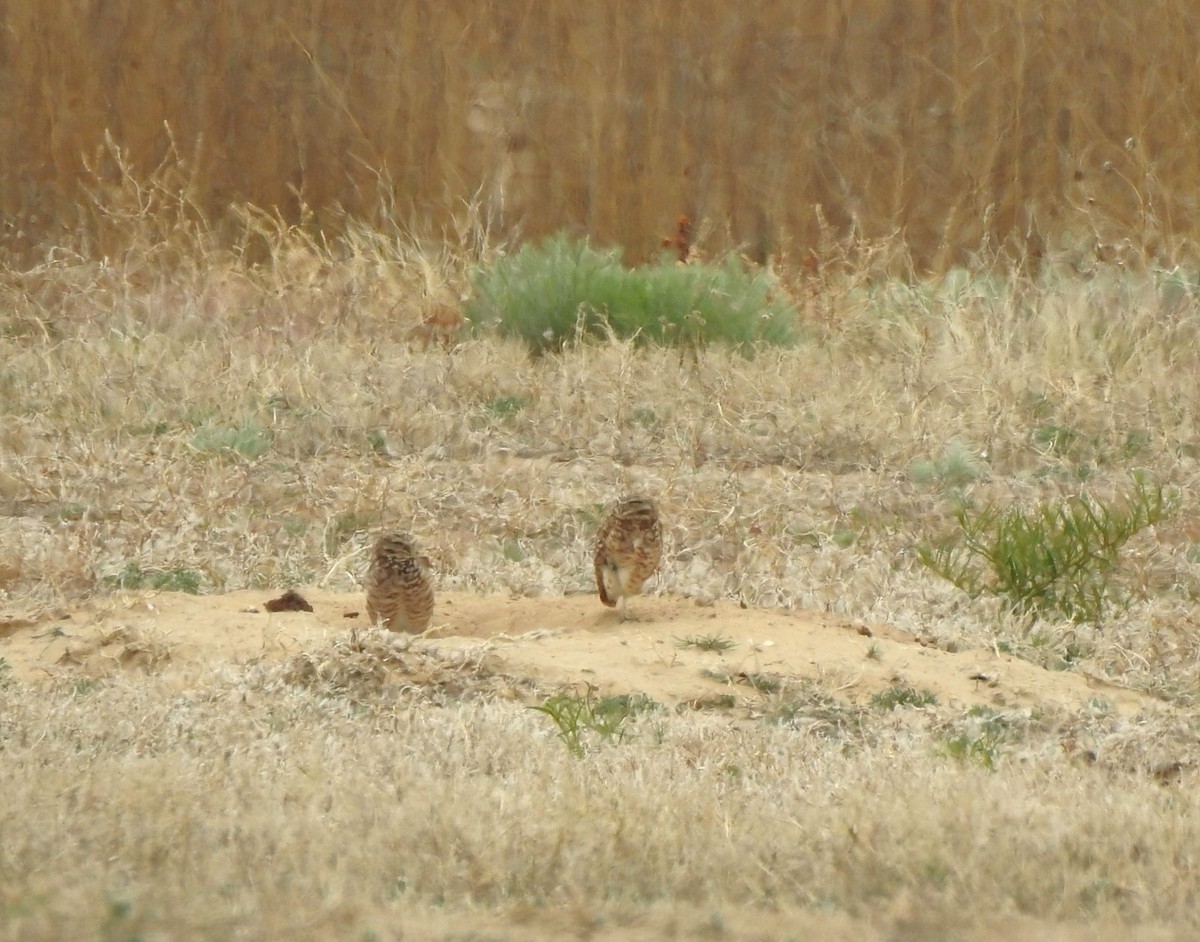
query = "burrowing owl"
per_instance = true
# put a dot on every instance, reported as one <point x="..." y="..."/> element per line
<point x="628" y="549"/>
<point x="399" y="593"/>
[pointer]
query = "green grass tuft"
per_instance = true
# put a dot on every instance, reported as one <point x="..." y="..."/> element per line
<point x="560" y="291"/>
<point x="134" y="576"/>
<point x="706" y="642"/>
<point x="1056" y="559"/>
<point x="979" y="742"/>
<point x="576" y="716"/>
<point x="902" y="695"/>
<point x="955" y="467"/>
<point x="250" y="440"/>
<point x="506" y="407"/>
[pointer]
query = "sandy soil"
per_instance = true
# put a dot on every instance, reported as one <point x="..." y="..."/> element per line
<point x="559" y="641"/>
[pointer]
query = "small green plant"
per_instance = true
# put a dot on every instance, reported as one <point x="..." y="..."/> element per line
<point x="134" y="576"/>
<point x="555" y="293"/>
<point x="845" y="537"/>
<point x="955" y="467"/>
<point x="1058" y="558"/>
<point x="177" y="580"/>
<point x="69" y="512"/>
<point x="120" y="923"/>
<point x="1055" y="651"/>
<point x="377" y="442"/>
<point x="513" y="551"/>
<point x="1059" y="440"/>
<point x="1098" y="706"/>
<point x="713" y="701"/>
<point x="902" y="695"/>
<point x="576" y="716"/>
<point x="1137" y="442"/>
<point x="816" y="713"/>
<point x="295" y="526"/>
<point x="646" y="417"/>
<point x="506" y="407"/>
<point x="5" y="673"/>
<point x="706" y="642"/>
<point x="610" y="713"/>
<point x="763" y="683"/>
<point x="249" y="440"/>
<point x="986" y="731"/>
<point x="571" y="715"/>
<point x="804" y="535"/>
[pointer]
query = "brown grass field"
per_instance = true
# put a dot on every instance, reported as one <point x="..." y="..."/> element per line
<point x="1040" y="128"/>
<point x="235" y="250"/>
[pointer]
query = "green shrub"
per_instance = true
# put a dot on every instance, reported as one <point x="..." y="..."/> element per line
<point x="1056" y="559"/>
<point x="561" y="291"/>
<point x="575" y="716"/>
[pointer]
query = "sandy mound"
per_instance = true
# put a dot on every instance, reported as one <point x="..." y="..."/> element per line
<point x="547" y="643"/>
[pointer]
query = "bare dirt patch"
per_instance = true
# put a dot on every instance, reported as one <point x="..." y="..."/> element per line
<point x="553" y="642"/>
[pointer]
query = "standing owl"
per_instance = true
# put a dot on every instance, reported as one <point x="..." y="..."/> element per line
<point x="399" y="593"/>
<point x="628" y="550"/>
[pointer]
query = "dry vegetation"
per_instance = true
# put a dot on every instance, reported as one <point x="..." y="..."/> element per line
<point x="257" y="808"/>
<point x="1047" y="127"/>
<point x="180" y="417"/>
<point x="201" y="396"/>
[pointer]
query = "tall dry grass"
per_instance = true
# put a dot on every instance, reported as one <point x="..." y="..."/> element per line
<point x="1058" y="128"/>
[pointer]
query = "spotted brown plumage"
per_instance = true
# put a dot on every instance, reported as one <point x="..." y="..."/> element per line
<point x="628" y="550"/>
<point x="399" y="591"/>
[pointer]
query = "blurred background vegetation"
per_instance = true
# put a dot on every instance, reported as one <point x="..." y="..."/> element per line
<point x="1012" y="128"/>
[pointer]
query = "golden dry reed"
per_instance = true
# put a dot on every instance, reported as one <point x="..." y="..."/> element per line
<point x="1057" y="127"/>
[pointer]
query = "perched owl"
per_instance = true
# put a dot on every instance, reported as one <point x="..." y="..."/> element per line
<point x="399" y="593"/>
<point x="628" y="550"/>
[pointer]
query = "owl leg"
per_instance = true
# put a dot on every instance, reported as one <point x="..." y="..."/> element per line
<point x="624" y="607"/>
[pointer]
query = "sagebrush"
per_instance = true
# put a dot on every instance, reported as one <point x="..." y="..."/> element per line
<point x="561" y="291"/>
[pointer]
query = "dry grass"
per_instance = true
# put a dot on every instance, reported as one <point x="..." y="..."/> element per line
<point x="262" y="808"/>
<point x="244" y="424"/>
<point x="146" y="433"/>
<point x="1065" y="128"/>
